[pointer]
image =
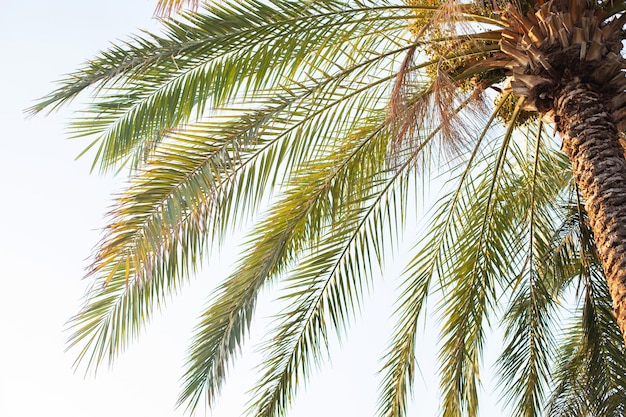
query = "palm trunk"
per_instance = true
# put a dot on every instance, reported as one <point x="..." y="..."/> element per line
<point x="590" y="139"/>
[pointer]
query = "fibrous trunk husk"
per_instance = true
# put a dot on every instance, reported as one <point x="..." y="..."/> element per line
<point x="591" y="141"/>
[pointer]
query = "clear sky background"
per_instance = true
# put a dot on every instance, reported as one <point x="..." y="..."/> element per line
<point x="51" y="213"/>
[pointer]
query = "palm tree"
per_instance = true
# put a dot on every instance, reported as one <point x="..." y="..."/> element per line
<point x="321" y="119"/>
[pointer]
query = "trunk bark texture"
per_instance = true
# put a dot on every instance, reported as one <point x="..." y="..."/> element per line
<point x="590" y="139"/>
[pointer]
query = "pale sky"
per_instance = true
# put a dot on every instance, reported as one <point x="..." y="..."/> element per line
<point x="51" y="212"/>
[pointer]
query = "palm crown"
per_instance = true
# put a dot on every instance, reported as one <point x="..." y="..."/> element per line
<point x="332" y="111"/>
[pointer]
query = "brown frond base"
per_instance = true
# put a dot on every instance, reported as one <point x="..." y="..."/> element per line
<point x="562" y="40"/>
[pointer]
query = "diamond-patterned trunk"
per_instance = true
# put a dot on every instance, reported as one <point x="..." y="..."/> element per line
<point x="590" y="139"/>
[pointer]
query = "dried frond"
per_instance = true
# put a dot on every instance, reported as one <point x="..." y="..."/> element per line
<point x="443" y="81"/>
<point x="403" y="118"/>
<point x="165" y="8"/>
<point x="444" y="96"/>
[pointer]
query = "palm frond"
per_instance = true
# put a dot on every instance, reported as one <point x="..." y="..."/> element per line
<point x="208" y="174"/>
<point x="427" y="265"/>
<point x="590" y="366"/>
<point x="324" y="290"/>
<point x="294" y="220"/>
<point x="486" y="248"/>
<point x="153" y="84"/>
<point x="525" y="363"/>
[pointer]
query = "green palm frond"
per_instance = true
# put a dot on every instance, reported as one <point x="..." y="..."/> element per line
<point x="591" y="363"/>
<point x="292" y="223"/>
<point x="326" y="287"/>
<point x="201" y="177"/>
<point x="526" y="360"/>
<point x="152" y="84"/>
<point x="427" y="265"/>
<point x="482" y="251"/>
